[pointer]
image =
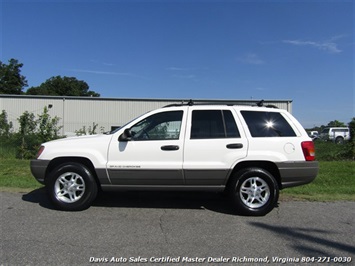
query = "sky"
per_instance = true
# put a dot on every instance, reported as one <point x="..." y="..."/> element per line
<point x="296" y="50"/>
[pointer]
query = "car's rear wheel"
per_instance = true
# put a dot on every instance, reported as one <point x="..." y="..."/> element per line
<point x="254" y="191"/>
<point x="72" y="187"/>
<point x="339" y="140"/>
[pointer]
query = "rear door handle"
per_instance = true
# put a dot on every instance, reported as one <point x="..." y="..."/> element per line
<point x="234" y="146"/>
<point x="169" y="148"/>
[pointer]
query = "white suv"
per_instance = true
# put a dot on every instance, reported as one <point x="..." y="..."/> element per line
<point x="336" y="134"/>
<point x="251" y="152"/>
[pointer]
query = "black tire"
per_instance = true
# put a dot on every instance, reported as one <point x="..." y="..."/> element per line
<point x="72" y="187"/>
<point x="254" y="191"/>
<point x="339" y="140"/>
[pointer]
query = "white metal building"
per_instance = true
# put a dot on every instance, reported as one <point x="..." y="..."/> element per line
<point x="108" y="113"/>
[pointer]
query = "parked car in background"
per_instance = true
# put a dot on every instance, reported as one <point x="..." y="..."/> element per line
<point x="314" y="135"/>
<point x="335" y="134"/>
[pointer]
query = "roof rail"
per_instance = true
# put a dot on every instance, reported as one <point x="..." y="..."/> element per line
<point x="191" y="103"/>
<point x="261" y="104"/>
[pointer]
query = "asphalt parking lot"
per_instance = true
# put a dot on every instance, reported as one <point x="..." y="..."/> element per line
<point x="133" y="228"/>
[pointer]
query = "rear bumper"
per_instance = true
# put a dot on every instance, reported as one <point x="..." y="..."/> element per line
<point x="297" y="173"/>
<point x="38" y="169"/>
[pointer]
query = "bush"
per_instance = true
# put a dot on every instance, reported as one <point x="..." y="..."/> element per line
<point x="24" y="144"/>
<point x="329" y="151"/>
<point x="89" y="131"/>
<point x="352" y="138"/>
<point x="7" y="147"/>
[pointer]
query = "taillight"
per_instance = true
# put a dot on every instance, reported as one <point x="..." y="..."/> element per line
<point x="41" y="149"/>
<point x="308" y="150"/>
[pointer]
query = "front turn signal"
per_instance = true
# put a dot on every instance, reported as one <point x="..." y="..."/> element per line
<point x="41" y="149"/>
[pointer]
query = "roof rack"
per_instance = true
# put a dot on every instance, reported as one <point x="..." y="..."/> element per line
<point x="189" y="103"/>
<point x="261" y="104"/>
<point x="192" y="103"/>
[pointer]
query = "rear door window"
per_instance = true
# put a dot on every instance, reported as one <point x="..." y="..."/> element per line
<point x="213" y="124"/>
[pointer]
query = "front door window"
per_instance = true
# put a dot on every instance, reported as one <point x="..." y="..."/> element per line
<point x="161" y="126"/>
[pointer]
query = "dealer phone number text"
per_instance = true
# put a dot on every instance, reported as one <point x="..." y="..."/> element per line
<point x="326" y="259"/>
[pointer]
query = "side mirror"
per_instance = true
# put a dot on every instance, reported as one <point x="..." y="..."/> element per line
<point x="126" y="135"/>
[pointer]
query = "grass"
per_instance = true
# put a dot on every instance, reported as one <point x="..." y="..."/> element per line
<point x="335" y="181"/>
<point x="16" y="174"/>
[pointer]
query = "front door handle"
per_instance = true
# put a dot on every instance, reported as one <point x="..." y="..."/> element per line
<point x="169" y="148"/>
<point x="234" y="146"/>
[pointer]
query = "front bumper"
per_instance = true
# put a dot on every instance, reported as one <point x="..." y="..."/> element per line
<point x="38" y="169"/>
<point x="297" y="173"/>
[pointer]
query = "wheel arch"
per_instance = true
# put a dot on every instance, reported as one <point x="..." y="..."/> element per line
<point x="81" y="160"/>
<point x="266" y="165"/>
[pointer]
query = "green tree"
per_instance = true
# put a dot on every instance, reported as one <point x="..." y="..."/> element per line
<point x="336" y="123"/>
<point x="6" y="136"/>
<point x="34" y="131"/>
<point x="26" y="135"/>
<point x="5" y="126"/>
<point x="63" y="86"/>
<point x="11" y="80"/>
<point x="47" y="126"/>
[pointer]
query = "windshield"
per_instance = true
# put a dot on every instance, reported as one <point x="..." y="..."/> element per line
<point x="325" y="131"/>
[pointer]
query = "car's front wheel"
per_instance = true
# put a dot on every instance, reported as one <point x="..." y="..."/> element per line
<point x="72" y="187"/>
<point x="254" y="191"/>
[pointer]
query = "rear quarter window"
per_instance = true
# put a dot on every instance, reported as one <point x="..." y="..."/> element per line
<point x="340" y="130"/>
<point x="267" y="124"/>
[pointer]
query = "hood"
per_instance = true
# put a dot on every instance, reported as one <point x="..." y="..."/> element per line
<point x="78" y="139"/>
<point x="83" y="146"/>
